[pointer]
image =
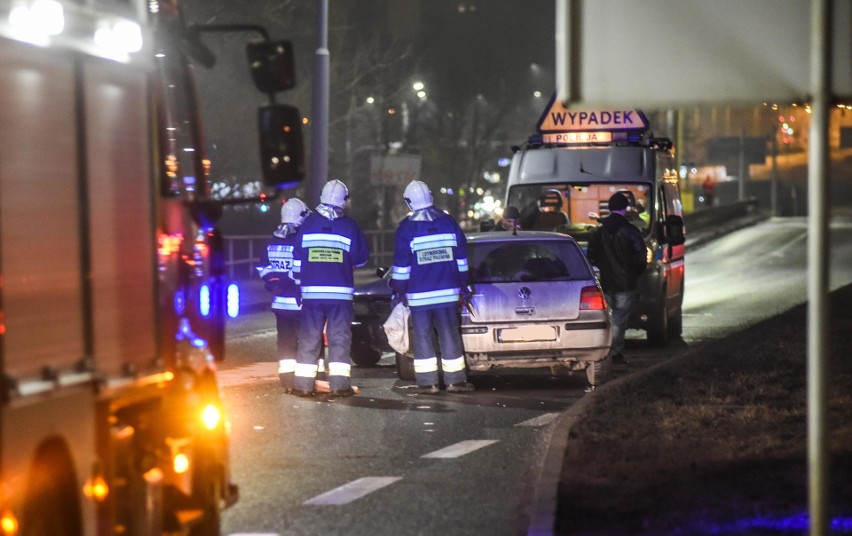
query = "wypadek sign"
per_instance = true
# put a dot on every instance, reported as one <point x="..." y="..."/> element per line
<point x="557" y="120"/>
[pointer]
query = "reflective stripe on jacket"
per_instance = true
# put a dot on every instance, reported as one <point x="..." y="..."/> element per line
<point x="430" y="261"/>
<point x="326" y="252"/>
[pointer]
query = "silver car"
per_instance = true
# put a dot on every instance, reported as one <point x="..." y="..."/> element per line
<point x="536" y="303"/>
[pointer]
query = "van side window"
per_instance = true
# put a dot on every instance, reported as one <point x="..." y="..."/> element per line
<point x="674" y="206"/>
<point x="662" y="208"/>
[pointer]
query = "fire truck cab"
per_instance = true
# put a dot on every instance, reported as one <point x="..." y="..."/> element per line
<point x="113" y="296"/>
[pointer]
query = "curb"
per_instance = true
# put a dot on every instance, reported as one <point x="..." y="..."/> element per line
<point x="546" y="497"/>
<point x="545" y="504"/>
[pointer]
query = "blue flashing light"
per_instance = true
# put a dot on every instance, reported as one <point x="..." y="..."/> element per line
<point x="204" y="300"/>
<point x="504" y="162"/>
<point x="185" y="333"/>
<point x="183" y="329"/>
<point x="180" y="302"/>
<point x="536" y="139"/>
<point x="794" y="524"/>
<point x="233" y="300"/>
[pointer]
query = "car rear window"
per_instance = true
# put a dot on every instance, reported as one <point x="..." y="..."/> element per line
<point x="530" y="260"/>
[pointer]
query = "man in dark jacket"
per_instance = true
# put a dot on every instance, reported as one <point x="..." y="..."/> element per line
<point x="616" y="247"/>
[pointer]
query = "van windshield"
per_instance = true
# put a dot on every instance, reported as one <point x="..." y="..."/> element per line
<point x="575" y="208"/>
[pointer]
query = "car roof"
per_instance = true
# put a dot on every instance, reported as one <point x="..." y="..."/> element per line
<point x="505" y="236"/>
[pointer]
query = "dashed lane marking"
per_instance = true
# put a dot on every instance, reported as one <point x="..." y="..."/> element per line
<point x="352" y="491"/>
<point x="541" y="420"/>
<point x="460" y="449"/>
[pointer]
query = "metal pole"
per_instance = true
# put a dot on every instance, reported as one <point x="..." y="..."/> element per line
<point x="562" y="52"/>
<point x="568" y="50"/>
<point x="773" y="190"/>
<point x="818" y="267"/>
<point x="319" y="106"/>
<point x="741" y="182"/>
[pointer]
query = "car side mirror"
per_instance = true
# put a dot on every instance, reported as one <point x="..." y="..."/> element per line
<point x="281" y="148"/>
<point x="272" y="65"/>
<point x="675" y="234"/>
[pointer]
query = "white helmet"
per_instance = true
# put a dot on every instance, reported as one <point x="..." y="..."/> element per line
<point x="334" y="193"/>
<point x="417" y="195"/>
<point x="294" y="212"/>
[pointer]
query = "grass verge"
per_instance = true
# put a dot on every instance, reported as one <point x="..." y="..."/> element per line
<point x="714" y="442"/>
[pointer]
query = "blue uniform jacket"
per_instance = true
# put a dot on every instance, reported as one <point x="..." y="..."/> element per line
<point x="429" y="260"/>
<point x="326" y="252"/>
<point x="276" y="262"/>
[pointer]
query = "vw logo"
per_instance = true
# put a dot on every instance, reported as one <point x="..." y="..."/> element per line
<point x="524" y="293"/>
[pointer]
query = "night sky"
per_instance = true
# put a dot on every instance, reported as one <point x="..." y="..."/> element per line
<point x="483" y="47"/>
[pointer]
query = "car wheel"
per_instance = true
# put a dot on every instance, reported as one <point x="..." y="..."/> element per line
<point x="597" y="372"/>
<point x="676" y="324"/>
<point x="405" y="367"/>
<point x="658" y="328"/>
<point x="364" y="356"/>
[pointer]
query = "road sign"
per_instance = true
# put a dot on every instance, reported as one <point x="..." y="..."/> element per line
<point x="398" y="169"/>
<point x="556" y="118"/>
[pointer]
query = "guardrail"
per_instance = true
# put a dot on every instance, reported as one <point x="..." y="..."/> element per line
<point x="700" y="220"/>
<point x="242" y="252"/>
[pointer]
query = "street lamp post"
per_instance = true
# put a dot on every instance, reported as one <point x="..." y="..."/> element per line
<point x="319" y="105"/>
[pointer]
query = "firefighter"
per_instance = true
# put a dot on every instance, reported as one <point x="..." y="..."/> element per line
<point x="275" y="267"/>
<point x="430" y="276"/>
<point x="329" y="246"/>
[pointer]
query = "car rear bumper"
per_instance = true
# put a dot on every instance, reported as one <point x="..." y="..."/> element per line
<point x="570" y="359"/>
<point x="574" y="343"/>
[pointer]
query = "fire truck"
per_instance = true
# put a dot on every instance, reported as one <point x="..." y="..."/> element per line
<point x="113" y="295"/>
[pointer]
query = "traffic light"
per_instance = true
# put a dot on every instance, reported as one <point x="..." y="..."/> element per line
<point x="281" y="147"/>
<point x="272" y="65"/>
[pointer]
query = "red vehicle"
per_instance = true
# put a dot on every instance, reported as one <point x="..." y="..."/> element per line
<point x="113" y="298"/>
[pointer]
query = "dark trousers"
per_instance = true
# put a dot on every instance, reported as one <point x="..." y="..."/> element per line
<point x="337" y="319"/>
<point x="445" y="322"/>
<point x="287" y="324"/>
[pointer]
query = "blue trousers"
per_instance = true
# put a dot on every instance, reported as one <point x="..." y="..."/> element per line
<point x="621" y="305"/>
<point x="339" y="316"/>
<point x="444" y="321"/>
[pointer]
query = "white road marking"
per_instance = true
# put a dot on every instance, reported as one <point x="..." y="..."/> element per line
<point x="353" y="490"/>
<point x="541" y="420"/>
<point x="256" y="372"/>
<point x="460" y="449"/>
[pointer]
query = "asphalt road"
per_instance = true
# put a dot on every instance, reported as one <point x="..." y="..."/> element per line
<point x="392" y="462"/>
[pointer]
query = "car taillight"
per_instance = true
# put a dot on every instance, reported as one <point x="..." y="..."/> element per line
<point x="592" y="299"/>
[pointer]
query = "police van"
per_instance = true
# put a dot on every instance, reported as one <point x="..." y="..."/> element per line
<point x="562" y="178"/>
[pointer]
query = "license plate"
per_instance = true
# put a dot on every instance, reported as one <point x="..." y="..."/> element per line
<point x="527" y="334"/>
